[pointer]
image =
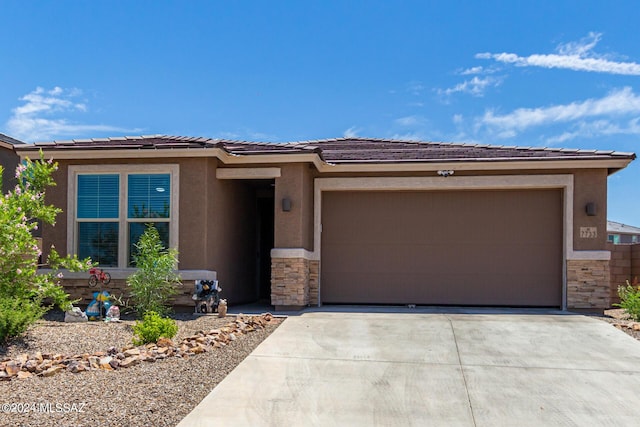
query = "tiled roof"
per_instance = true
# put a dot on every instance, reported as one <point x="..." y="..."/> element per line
<point x="342" y="150"/>
<point x="10" y="140"/>
<point x="619" y="228"/>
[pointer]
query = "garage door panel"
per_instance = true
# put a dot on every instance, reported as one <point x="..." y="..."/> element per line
<point x="463" y="247"/>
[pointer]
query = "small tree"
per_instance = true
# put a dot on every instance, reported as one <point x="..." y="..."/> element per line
<point x="156" y="280"/>
<point x="26" y="295"/>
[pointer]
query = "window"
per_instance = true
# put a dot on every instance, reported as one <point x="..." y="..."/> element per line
<point x="113" y="206"/>
<point x="148" y="201"/>
<point x="98" y="218"/>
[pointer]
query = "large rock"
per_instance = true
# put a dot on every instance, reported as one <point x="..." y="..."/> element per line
<point x="12" y="368"/>
<point x="75" y="315"/>
<point x="53" y="370"/>
<point x="129" y="361"/>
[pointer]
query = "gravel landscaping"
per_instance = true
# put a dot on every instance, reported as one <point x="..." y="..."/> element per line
<point x="147" y="394"/>
<point x="621" y="320"/>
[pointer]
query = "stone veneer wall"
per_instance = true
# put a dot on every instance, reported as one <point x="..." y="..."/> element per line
<point x="588" y="284"/>
<point x="290" y="282"/>
<point x="314" y="282"/>
<point x="79" y="289"/>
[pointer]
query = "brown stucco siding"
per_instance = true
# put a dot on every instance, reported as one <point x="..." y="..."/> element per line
<point x="193" y="231"/>
<point x="590" y="186"/>
<point x="56" y="235"/>
<point x="292" y="228"/>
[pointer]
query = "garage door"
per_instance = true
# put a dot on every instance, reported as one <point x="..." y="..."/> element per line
<point x="455" y="247"/>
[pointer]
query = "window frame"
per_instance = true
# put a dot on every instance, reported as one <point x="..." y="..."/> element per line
<point x="123" y="170"/>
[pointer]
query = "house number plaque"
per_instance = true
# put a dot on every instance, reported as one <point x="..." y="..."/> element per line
<point x="588" y="232"/>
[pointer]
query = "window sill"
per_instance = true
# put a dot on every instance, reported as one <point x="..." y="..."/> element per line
<point x="123" y="273"/>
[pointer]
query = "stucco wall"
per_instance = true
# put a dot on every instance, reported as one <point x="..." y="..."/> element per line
<point x="294" y="229"/>
<point x="57" y="234"/>
<point x="9" y="160"/>
<point x="590" y="186"/>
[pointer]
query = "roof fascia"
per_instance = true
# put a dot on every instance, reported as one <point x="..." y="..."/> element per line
<point x="612" y="164"/>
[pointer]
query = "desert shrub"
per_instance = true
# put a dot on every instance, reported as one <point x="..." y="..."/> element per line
<point x="630" y="299"/>
<point x="153" y="327"/>
<point x="25" y="294"/>
<point x="155" y="281"/>
<point x="16" y="315"/>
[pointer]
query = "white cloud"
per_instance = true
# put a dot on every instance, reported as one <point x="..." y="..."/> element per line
<point x="352" y="132"/>
<point x="598" y="128"/>
<point x="410" y="136"/>
<point x="410" y="121"/>
<point x="472" y="70"/>
<point x="39" y="117"/>
<point x="576" y="56"/>
<point x="457" y="118"/>
<point x="616" y="103"/>
<point x="476" y="86"/>
<point x="415" y="88"/>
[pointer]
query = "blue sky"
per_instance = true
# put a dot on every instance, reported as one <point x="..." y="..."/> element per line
<point x="544" y="73"/>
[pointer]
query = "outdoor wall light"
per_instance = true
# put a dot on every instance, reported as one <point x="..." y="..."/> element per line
<point x="446" y="173"/>
<point x="590" y="208"/>
<point x="286" y="204"/>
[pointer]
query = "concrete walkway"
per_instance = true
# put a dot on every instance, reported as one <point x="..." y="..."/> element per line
<point x="436" y="369"/>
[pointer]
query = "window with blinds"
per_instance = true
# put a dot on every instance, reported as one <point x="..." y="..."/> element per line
<point x="107" y="226"/>
<point x="148" y="201"/>
<point x="98" y="218"/>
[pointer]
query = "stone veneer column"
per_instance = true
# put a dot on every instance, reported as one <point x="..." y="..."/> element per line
<point x="588" y="284"/>
<point x="289" y="283"/>
<point x="314" y="281"/>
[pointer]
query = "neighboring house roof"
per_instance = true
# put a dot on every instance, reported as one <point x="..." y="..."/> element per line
<point x="619" y="228"/>
<point x="8" y="142"/>
<point x="343" y="151"/>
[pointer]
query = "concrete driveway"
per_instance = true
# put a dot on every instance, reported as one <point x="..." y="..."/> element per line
<point x="436" y="369"/>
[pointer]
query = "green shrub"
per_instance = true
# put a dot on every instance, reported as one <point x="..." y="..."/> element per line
<point x="16" y="315"/>
<point x="155" y="281"/>
<point x="153" y="327"/>
<point x="25" y="294"/>
<point x="630" y="299"/>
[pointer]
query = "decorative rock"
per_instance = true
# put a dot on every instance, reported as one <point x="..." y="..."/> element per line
<point x="165" y="342"/>
<point x="76" y="367"/>
<point x="105" y="363"/>
<point x="636" y="327"/>
<point x="52" y="371"/>
<point x="30" y="365"/>
<point x="132" y="352"/>
<point x="198" y="349"/>
<point x="12" y="368"/>
<point x="24" y="375"/>
<point x="75" y="315"/>
<point x="94" y="362"/>
<point x="129" y="361"/>
<point x="46" y="364"/>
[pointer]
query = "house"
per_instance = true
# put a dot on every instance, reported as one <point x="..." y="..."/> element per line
<point x="346" y="220"/>
<point x="619" y="233"/>
<point x="8" y="160"/>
